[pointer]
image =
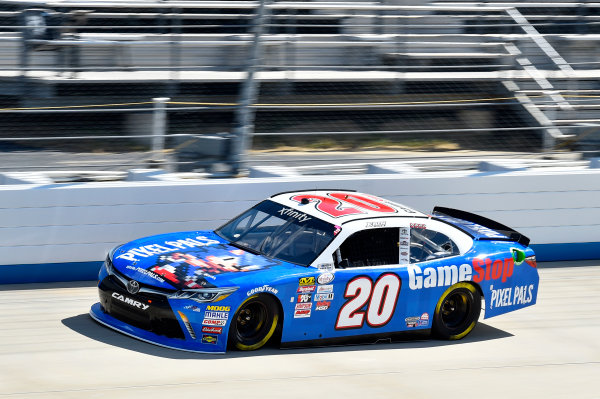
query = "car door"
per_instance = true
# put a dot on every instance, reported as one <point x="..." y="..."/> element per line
<point x="363" y="291"/>
<point x="370" y="271"/>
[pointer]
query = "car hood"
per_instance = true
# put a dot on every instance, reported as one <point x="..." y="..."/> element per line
<point x="187" y="260"/>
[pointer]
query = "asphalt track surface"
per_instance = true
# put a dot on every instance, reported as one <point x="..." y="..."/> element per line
<point x="50" y="348"/>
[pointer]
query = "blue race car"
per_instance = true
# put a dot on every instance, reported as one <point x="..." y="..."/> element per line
<point x="316" y="267"/>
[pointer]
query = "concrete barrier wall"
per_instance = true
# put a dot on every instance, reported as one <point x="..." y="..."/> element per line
<point x="62" y="231"/>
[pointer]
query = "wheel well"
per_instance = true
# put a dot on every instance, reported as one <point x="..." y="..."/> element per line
<point x="276" y="334"/>
<point x="477" y="286"/>
<point x="280" y="309"/>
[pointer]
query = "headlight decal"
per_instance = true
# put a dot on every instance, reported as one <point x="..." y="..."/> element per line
<point x="204" y="295"/>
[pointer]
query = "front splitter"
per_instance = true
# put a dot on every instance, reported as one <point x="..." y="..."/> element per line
<point x="107" y="320"/>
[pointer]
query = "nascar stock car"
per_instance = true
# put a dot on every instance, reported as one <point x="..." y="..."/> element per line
<point x="316" y="267"/>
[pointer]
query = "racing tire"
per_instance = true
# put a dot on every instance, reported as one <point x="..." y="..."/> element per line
<point x="254" y="323"/>
<point x="457" y="312"/>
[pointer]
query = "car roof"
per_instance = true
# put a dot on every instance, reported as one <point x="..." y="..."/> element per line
<point x="342" y="206"/>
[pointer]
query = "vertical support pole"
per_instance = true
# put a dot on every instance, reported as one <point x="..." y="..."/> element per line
<point x="159" y="129"/>
<point x="24" y="53"/>
<point x="174" y="51"/>
<point x="290" y="51"/>
<point x="244" y="127"/>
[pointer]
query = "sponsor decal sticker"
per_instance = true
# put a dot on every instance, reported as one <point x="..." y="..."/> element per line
<point x="417" y="321"/>
<point x="212" y="330"/>
<point x="325" y="289"/>
<point x="146" y="273"/>
<point x="441" y="276"/>
<point x="323" y="305"/>
<point x="303" y="306"/>
<point x="303" y="298"/>
<point x="264" y="288"/>
<point x="301" y="313"/>
<point x="325" y="278"/>
<point x="412" y="321"/>
<point x="193" y="308"/>
<point x="306" y="289"/>
<point x="300" y="216"/>
<point x="216" y="315"/>
<point x="486" y="269"/>
<point x="306" y="281"/>
<point x="404" y="248"/>
<point x="213" y="322"/>
<point x="324" y="297"/>
<point x="483" y="230"/>
<point x="219" y="308"/>
<point x="147" y="251"/>
<point x="326" y="267"/>
<point x="522" y="295"/>
<point x="418" y="226"/>
<point x="210" y="339"/>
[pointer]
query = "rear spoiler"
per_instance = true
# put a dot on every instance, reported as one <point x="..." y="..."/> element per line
<point x="508" y="233"/>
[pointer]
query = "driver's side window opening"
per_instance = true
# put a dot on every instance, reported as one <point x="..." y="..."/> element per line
<point x="369" y="248"/>
<point x="429" y="245"/>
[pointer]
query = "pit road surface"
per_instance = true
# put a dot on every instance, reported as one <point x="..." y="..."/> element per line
<point x="50" y="348"/>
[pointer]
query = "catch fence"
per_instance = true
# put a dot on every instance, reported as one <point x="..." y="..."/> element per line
<point x="242" y="80"/>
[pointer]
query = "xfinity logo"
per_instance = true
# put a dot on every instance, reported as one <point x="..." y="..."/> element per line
<point x="130" y="301"/>
<point x="302" y="217"/>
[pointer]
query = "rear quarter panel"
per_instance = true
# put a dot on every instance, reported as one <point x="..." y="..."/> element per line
<point x="506" y="285"/>
<point x="322" y="305"/>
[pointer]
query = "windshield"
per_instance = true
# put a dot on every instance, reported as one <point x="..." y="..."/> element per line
<point x="276" y="231"/>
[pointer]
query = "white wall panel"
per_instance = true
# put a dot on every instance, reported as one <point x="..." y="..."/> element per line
<point x="79" y="222"/>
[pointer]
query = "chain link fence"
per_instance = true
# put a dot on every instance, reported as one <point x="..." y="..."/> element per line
<point x="213" y="86"/>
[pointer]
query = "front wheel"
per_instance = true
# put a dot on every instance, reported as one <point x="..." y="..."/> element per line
<point x="254" y="323"/>
<point x="457" y="312"/>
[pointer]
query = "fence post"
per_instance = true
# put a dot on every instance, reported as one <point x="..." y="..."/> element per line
<point x="159" y="129"/>
<point x="244" y="128"/>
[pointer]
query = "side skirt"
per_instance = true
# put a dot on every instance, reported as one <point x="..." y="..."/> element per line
<point x="417" y="335"/>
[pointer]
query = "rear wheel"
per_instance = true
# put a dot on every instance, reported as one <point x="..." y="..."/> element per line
<point x="457" y="312"/>
<point x="254" y="323"/>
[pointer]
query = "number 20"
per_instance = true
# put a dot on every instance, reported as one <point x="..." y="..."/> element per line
<point x="381" y="298"/>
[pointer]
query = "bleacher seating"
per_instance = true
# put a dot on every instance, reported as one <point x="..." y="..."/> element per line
<point x="199" y="51"/>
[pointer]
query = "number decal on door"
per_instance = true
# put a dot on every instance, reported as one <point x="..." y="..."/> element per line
<point x="381" y="298"/>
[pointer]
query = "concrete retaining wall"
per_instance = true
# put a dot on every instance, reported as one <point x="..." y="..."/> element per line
<point x="63" y="231"/>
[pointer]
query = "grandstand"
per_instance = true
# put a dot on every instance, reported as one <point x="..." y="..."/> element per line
<point x="512" y="76"/>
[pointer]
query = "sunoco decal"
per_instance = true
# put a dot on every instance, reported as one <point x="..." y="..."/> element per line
<point x="210" y="339"/>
